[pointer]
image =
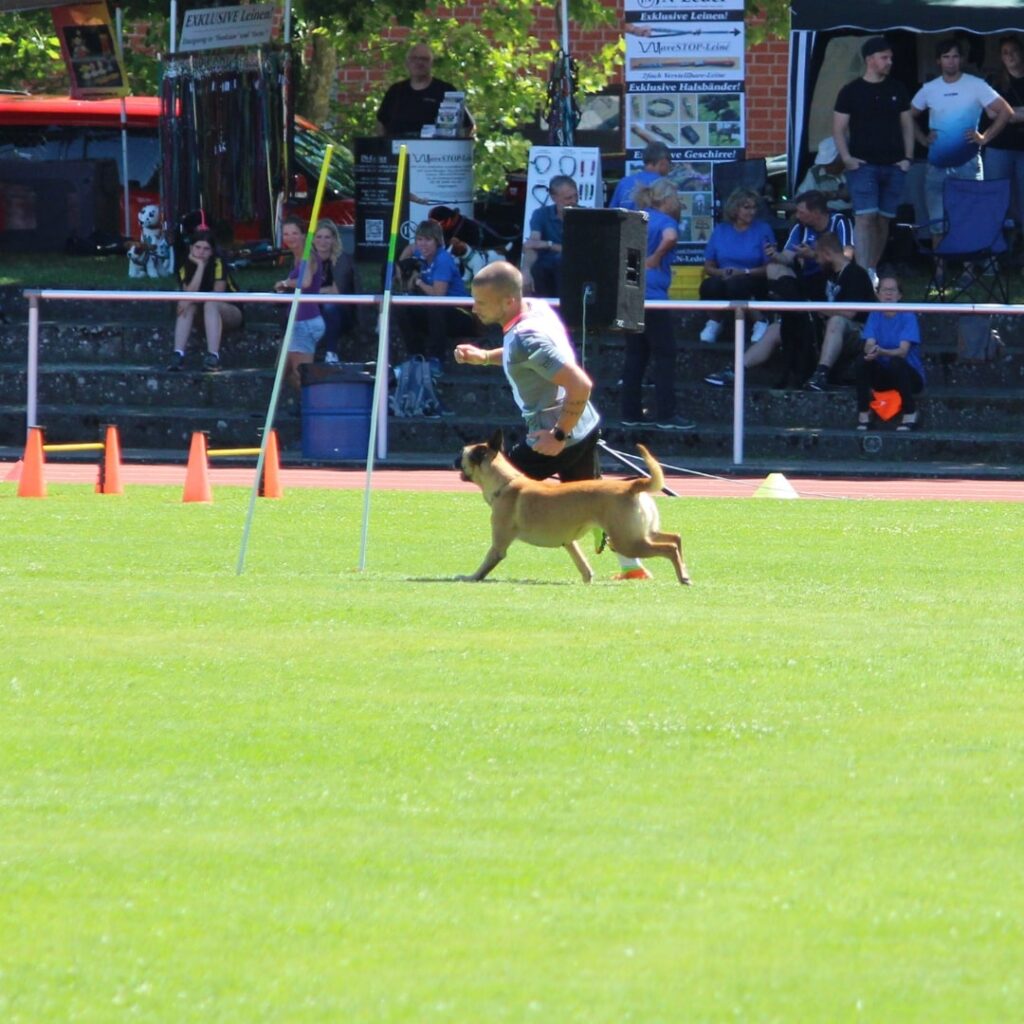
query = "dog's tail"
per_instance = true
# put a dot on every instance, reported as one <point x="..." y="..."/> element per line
<point x="653" y="483"/>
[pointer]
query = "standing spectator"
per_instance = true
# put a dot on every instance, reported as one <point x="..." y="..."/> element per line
<point x="309" y="325"/>
<point x="849" y="283"/>
<point x="891" y="357"/>
<point x="1004" y="155"/>
<point x="428" y="331"/>
<point x="204" y="271"/>
<point x="542" y="251"/>
<point x="657" y="163"/>
<point x="661" y="201"/>
<point x="413" y="102"/>
<point x="954" y="103"/>
<point x="551" y="389"/>
<point x="736" y="257"/>
<point x="339" y="279"/>
<point x="873" y="131"/>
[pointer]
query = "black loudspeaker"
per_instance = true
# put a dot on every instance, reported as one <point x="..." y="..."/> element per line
<point x="603" y="269"/>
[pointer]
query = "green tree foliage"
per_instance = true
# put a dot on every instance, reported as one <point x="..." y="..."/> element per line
<point x="499" y="60"/>
<point x="30" y="56"/>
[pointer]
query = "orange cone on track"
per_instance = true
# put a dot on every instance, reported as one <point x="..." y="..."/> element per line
<point x="270" y="485"/>
<point x="109" y="481"/>
<point x="197" y="476"/>
<point x="32" y="483"/>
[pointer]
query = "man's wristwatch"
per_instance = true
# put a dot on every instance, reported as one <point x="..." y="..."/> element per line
<point x="558" y="433"/>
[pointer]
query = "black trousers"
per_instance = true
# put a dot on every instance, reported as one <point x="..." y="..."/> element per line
<point x="658" y="339"/>
<point x="577" y="462"/>
<point x="896" y="374"/>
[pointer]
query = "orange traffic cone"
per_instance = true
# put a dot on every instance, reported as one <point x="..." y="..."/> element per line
<point x="197" y="476"/>
<point x="32" y="483"/>
<point x="109" y="481"/>
<point x="270" y="485"/>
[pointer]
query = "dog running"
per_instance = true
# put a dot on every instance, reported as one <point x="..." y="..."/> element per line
<point x="550" y="515"/>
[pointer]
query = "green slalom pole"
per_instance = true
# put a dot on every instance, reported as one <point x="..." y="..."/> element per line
<point x="380" y="383"/>
<point x="282" y="357"/>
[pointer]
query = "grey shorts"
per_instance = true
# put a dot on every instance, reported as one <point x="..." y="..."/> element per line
<point x="306" y="334"/>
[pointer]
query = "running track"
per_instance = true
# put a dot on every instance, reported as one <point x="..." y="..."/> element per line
<point x="133" y="474"/>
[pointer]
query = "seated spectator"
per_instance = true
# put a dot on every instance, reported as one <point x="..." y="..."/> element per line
<point x="827" y="175"/>
<point x="430" y="270"/>
<point x="661" y="201"/>
<point x="339" y="279"/>
<point x="204" y="271"/>
<point x="736" y="257"/>
<point x="657" y="163"/>
<point x="848" y="282"/>
<point x="309" y="325"/>
<point x="542" y="251"/>
<point x="891" y="359"/>
<point x="796" y="259"/>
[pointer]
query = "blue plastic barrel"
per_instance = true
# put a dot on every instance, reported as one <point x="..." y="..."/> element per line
<point x="336" y="403"/>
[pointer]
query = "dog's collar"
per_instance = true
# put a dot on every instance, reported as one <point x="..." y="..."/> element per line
<point x="497" y="494"/>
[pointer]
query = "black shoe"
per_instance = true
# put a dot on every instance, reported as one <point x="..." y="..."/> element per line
<point x="675" y="423"/>
<point x="818" y="381"/>
<point x="211" y="362"/>
<point x="724" y="379"/>
<point x="177" y="361"/>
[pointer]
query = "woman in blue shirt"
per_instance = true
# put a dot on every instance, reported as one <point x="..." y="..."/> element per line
<point x="892" y="357"/>
<point x="736" y="257"/>
<point x="660" y="201"/>
<point x="428" y="331"/>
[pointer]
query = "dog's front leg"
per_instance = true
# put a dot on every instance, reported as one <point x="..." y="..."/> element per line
<point x="581" y="563"/>
<point x="493" y="557"/>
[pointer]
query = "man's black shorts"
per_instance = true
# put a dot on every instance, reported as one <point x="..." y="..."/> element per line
<point x="579" y="461"/>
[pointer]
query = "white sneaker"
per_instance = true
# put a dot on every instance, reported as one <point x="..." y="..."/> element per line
<point x="758" y="331"/>
<point x="331" y="358"/>
<point x="711" y="331"/>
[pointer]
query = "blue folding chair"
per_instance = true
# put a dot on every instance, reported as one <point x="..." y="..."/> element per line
<point x="974" y="239"/>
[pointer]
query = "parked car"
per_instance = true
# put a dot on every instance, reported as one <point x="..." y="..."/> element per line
<point x="40" y="136"/>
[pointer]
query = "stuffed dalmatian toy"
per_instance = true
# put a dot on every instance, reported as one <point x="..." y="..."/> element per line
<point x="151" y="256"/>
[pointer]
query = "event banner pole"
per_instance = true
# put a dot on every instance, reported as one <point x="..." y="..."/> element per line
<point x="282" y="358"/>
<point x="378" y="410"/>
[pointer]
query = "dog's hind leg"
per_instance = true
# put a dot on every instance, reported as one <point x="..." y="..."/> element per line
<point x="677" y="542"/>
<point x="658" y="545"/>
<point x="581" y="563"/>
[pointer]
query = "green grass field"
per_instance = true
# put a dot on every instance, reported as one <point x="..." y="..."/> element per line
<point x="792" y="792"/>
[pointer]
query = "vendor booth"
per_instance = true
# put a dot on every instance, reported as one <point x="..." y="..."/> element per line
<point x="825" y="52"/>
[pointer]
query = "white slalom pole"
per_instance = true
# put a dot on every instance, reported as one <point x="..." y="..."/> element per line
<point x="282" y="358"/>
<point x="378" y="408"/>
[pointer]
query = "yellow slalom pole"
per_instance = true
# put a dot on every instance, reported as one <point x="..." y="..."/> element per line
<point x="377" y="411"/>
<point x="282" y="358"/>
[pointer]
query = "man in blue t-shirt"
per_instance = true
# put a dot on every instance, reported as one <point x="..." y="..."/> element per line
<point x="657" y="163"/>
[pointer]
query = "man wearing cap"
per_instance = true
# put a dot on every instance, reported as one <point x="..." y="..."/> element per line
<point x="954" y="102"/>
<point x="827" y="176"/>
<point x="873" y="131"/>
<point x="657" y="163"/>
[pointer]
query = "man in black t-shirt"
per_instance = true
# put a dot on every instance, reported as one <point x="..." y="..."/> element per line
<point x="412" y="103"/>
<point x="847" y="283"/>
<point x="873" y="130"/>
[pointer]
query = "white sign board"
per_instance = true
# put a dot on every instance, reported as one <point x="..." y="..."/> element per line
<point x="581" y="163"/>
<point x="216" y="28"/>
<point x="440" y="174"/>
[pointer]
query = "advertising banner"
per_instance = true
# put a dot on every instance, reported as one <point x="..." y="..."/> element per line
<point x="685" y="67"/>
<point x="90" y="52"/>
<point x="215" y="28"/>
<point x="581" y="163"/>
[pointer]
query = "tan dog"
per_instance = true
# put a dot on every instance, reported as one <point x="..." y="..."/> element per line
<point x="551" y="515"/>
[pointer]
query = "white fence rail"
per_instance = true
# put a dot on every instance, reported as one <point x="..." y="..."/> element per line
<point x="740" y="311"/>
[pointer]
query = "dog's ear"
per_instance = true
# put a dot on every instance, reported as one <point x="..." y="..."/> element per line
<point x="477" y="454"/>
<point x="497" y="441"/>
